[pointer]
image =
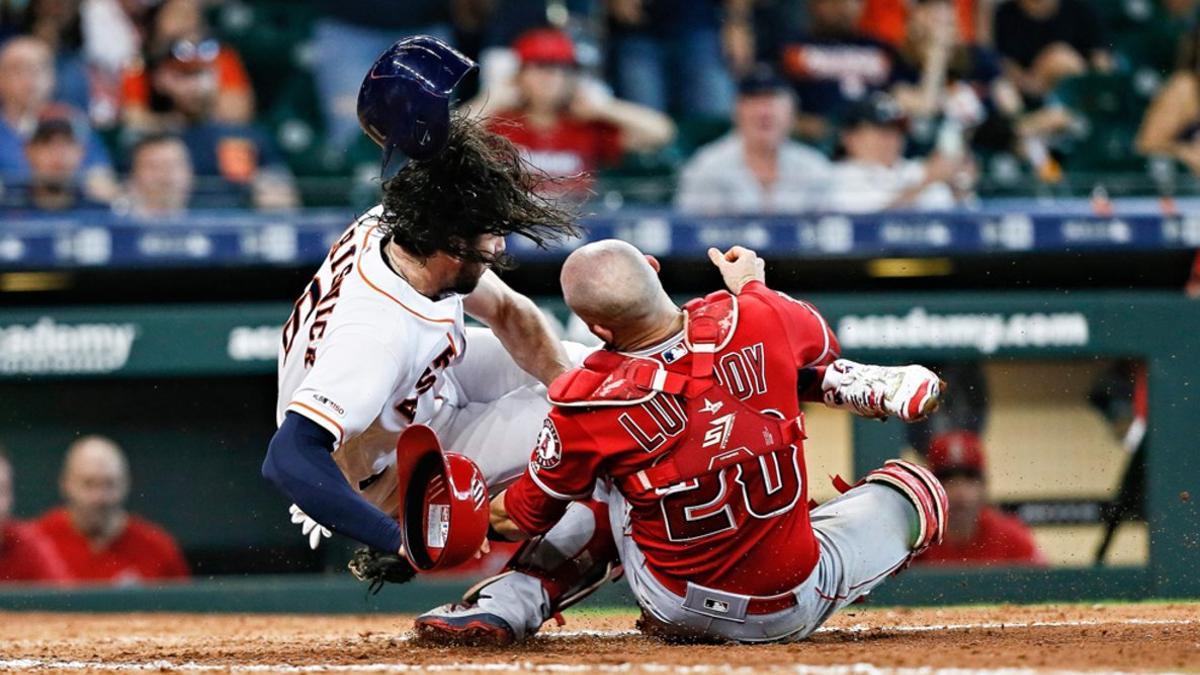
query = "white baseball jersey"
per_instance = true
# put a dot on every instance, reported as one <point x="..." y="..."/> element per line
<point x="362" y="356"/>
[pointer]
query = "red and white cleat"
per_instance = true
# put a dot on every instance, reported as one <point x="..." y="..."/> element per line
<point x="909" y="393"/>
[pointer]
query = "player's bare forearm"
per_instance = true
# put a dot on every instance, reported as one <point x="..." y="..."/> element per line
<point x="528" y="337"/>
<point x="501" y="523"/>
<point x="520" y="327"/>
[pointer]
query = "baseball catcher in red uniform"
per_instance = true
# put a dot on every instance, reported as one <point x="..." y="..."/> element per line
<point x="679" y="450"/>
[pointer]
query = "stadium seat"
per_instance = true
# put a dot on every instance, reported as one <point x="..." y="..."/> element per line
<point x="272" y="37"/>
<point x="1113" y="109"/>
<point x="642" y="178"/>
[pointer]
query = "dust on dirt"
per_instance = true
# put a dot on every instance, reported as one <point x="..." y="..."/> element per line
<point x="1067" y="637"/>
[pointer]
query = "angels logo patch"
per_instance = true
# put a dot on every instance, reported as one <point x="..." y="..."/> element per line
<point x="548" y="451"/>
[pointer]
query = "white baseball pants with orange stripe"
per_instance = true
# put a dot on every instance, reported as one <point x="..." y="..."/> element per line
<point x="493" y="410"/>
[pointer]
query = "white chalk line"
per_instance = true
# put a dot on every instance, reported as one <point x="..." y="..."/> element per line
<point x="797" y="669"/>
<point x="801" y="669"/>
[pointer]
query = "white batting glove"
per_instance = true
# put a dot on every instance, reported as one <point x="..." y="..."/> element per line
<point x="909" y="393"/>
<point x="309" y="527"/>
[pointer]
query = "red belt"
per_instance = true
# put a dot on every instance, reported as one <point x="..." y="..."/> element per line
<point x="758" y="604"/>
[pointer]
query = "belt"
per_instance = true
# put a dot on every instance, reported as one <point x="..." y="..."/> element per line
<point x="757" y="604"/>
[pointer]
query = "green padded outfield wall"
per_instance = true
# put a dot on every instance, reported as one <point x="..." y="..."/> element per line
<point x="189" y="392"/>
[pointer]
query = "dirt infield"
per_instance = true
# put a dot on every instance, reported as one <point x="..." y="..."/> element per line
<point x="1068" y="637"/>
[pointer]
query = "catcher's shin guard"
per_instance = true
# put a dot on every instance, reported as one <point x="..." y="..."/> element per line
<point x="921" y="488"/>
<point x="576" y="557"/>
<point x="546" y="575"/>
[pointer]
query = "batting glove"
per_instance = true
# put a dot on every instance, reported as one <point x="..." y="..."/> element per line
<point x="309" y="527"/>
<point x="909" y="393"/>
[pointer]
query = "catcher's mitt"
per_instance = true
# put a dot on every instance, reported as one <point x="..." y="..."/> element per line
<point x="380" y="567"/>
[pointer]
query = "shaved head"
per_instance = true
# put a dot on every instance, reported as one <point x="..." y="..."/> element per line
<point x="94" y="484"/>
<point x="610" y="284"/>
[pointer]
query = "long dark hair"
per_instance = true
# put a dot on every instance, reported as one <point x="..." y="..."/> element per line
<point x="479" y="184"/>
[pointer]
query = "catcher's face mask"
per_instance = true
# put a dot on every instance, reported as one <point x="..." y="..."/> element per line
<point x="443" y="501"/>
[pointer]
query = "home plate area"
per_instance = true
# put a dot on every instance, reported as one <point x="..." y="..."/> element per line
<point x="999" y="639"/>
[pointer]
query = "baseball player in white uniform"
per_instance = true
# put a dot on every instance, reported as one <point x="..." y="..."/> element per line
<point x="376" y="342"/>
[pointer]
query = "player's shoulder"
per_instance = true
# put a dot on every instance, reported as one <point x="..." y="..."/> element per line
<point x="1005" y="524"/>
<point x="53" y="522"/>
<point x="718" y="154"/>
<point x="147" y="532"/>
<point x="24" y="533"/>
<point x="758" y="293"/>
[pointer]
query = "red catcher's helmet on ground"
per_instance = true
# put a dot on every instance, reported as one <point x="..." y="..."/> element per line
<point x="443" y="501"/>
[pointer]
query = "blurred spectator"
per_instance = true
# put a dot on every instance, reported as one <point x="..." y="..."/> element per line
<point x="185" y="80"/>
<point x="177" y="27"/>
<point x="875" y="176"/>
<point x="349" y="36"/>
<point x="976" y="533"/>
<point x="952" y="91"/>
<point x="26" y="83"/>
<point x="568" y="126"/>
<point x="58" y="24"/>
<point x="834" y="64"/>
<point x="1043" y="41"/>
<point x="25" y="554"/>
<point x="1171" y="125"/>
<point x="667" y="54"/>
<point x="94" y="534"/>
<point x="938" y="74"/>
<point x="888" y="20"/>
<point x="54" y="153"/>
<point x="756" y="168"/>
<point x="160" y="179"/>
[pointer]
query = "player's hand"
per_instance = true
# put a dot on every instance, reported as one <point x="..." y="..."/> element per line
<point x="915" y="394"/>
<point x="910" y="393"/>
<point x="484" y="549"/>
<point x="309" y="527"/>
<point x="590" y="101"/>
<point x="739" y="266"/>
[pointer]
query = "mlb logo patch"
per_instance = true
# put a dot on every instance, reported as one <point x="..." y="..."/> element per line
<point x="714" y="605"/>
<point x="675" y="353"/>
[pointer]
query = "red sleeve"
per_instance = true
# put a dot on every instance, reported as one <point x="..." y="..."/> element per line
<point x="29" y="555"/>
<point x="174" y="564"/>
<point x="50" y="564"/>
<point x="562" y="468"/>
<point x="171" y="564"/>
<point x="1023" y="548"/>
<point x="610" y="144"/>
<point x="813" y="341"/>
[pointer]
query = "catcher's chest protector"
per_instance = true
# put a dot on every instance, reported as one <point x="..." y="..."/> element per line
<point x="721" y="430"/>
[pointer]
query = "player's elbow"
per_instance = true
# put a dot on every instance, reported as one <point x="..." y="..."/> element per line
<point x="283" y="465"/>
<point x="298" y="460"/>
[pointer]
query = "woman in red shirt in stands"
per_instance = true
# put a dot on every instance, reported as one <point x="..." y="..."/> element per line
<point x="569" y="126"/>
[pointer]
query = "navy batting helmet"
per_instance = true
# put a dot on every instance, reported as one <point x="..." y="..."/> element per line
<point x="404" y="102"/>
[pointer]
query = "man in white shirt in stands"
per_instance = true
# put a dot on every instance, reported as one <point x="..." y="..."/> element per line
<point x="875" y="175"/>
<point x="756" y="168"/>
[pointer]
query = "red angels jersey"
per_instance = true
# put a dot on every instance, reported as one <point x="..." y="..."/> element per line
<point x="361" y="356"/>
<point x="743" y="528"/>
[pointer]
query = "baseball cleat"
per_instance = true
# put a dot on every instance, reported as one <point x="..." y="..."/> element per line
<point x="465" y="625"/>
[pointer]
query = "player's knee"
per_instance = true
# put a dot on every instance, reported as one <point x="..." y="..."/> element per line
<point x="924" y="491"/>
